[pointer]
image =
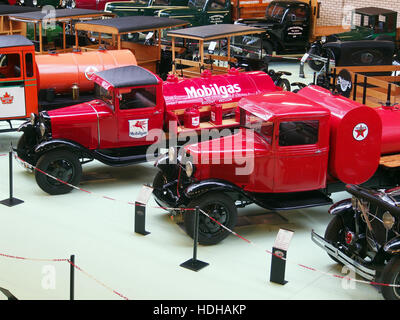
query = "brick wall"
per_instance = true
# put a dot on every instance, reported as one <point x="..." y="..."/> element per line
<point x="333" y="12"/>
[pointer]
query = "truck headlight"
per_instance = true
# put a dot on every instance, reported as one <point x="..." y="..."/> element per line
<point x="21" y="1"/>
<point x="388" y="220"/>
<point x="189" y="168"/>
<point x="42" y="129"/>
<point x="323" y="39"/>
<point x="32" y="118"/>
<point x="34" y="2"/>
<point x="171" y="154"/>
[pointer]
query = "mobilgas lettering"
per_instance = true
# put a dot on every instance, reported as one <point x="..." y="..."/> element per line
<point x="213" y="89"/>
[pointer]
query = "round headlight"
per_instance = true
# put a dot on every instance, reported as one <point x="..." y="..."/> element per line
<point x="189" y="169"/>
<point x="21" y="1"/>
<point x="42" y="129"/>
<point x="323" y="39"/>
<point x="388" y="220"/>
<point x="34" y="2"/>
<point x="32" y="118"/>
<point x="171" y="154"/>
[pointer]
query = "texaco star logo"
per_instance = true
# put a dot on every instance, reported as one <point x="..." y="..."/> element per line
<point x="360" y="131"/>
<point x="89" y="71"/>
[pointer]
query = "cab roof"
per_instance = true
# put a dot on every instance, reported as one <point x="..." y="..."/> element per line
<point x="9" y="41"/>
<point x="282" y="104"/>
<point x="129" y="24"/>
<point x="373" y="11"/>
<point x="128" y="76"/>
<point x="215" y="31"/>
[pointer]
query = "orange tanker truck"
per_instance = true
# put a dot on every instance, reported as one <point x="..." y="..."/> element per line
<point x="30" y="83"/>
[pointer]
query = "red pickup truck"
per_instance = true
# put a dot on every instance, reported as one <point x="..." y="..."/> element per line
<point x="132" y="111"/>
<point x="292" y="151"/>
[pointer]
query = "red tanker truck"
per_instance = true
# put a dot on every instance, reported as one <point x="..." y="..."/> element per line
<point x="134" y="110"/>
<point x="292" y="151"/>
<point x="30" y="82"/>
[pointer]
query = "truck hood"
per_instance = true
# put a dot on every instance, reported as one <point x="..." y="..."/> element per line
<point x="80" y="122"/>
<point x="239" y="146"/>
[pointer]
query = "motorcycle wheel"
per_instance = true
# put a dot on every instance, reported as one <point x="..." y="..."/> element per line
<point x="391" y="275"/>
<point x="284" y="84"/>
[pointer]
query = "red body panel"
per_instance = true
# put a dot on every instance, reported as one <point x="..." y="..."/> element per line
<point x="212" y="89"/>
<point x="391" y="129"/>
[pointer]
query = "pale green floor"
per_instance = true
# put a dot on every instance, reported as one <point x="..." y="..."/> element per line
<point x="99" y="232"/>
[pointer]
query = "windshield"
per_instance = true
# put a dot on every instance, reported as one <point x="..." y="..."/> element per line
<point x="275" y="11"/>
<point x="199" y="4"/>
<point x="104" y="95"/>
<point x="264" y="128"/>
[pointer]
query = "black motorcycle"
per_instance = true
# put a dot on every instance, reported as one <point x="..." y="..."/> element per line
<point x="364" y="234"/>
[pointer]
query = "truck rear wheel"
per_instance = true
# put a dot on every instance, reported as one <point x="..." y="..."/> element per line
<point x="219" y="207"/>
<point x="64" y="166"/>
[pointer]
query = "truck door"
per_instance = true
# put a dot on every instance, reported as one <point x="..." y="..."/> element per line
<point x="139" y="113"/>
<point x="297" y="26"/>
<point x="217" y="11"/>
<point x="12" y="90"/>
<point x="300" y="161"/>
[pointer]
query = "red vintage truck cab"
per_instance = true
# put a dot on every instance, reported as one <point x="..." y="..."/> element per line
<point x="291" y="151"/>
<point x="134" y="115"/>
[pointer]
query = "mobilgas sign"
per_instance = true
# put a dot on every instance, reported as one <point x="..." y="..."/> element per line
<point x="212" y="90"/>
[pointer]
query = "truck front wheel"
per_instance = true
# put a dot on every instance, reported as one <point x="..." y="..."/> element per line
<point x="63" y="167"/>
<point x="222" y="210"/>
<point x="391" y="276"/>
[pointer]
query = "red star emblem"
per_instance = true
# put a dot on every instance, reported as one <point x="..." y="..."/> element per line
<point x="360" y="131"/>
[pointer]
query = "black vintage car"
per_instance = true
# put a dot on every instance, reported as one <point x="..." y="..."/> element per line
<point x="365" y="235"/>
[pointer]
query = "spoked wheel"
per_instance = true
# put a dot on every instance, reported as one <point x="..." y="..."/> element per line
<point x="62" y="165"/>
<point x="391" y="276"/>
<point x="222" y="210"/>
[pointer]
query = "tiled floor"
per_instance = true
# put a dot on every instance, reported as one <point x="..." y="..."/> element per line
<point x="115" y="262"/>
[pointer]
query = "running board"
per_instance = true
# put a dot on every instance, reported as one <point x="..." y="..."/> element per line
<point x="360" y="269"/>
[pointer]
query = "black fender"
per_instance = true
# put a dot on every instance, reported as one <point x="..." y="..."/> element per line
<point x="47" y="146"/>
<point x="26" y="126"/>
<point x="343" y="209"/>
<point x="213" y="185"/>
<point x="392" y="247"/>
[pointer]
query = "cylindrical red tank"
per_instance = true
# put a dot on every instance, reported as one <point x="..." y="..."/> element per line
<point x="61" y="71"/>
<point x="203" y="91"/>
<point x="390" y="129"/>
<point x="216" y="114"/>
<point x="355" y="136"/>
<point x="192" y="117"/>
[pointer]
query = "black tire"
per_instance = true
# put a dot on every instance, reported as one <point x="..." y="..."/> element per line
<point x="391" y="275"/>
<point x="159" y="180"/>
<point x="284" y="84"/>
<point x="220" y="207"/>
<point x="61" y="164"/>
<point x="335" y="232"/>
<point x="22" y="149"/>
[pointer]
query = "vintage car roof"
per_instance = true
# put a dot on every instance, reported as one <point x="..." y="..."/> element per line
<point x="6" y="9"/>
<point x="214" y="31"/>
<point x="372" y="11"/>
<point x="283" y="104"/>
<point x="14" y="41"/>
<point x="127" y="76"/>
<point x="60" y="14"/>
<point x="129" y="24"/>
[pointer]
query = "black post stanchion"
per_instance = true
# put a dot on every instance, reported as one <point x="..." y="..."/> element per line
<point x="72" y="278"/>
<point x="194" y="264"/>
<point x="279" y="252"/>
<point x="11" y="201"/>
<point x="140" y="218"/>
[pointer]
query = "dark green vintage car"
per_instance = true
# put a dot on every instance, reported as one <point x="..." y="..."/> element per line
<point x="196" y="12"/>
<point x="142" y="7"/>
<point x="40" y="3"/>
